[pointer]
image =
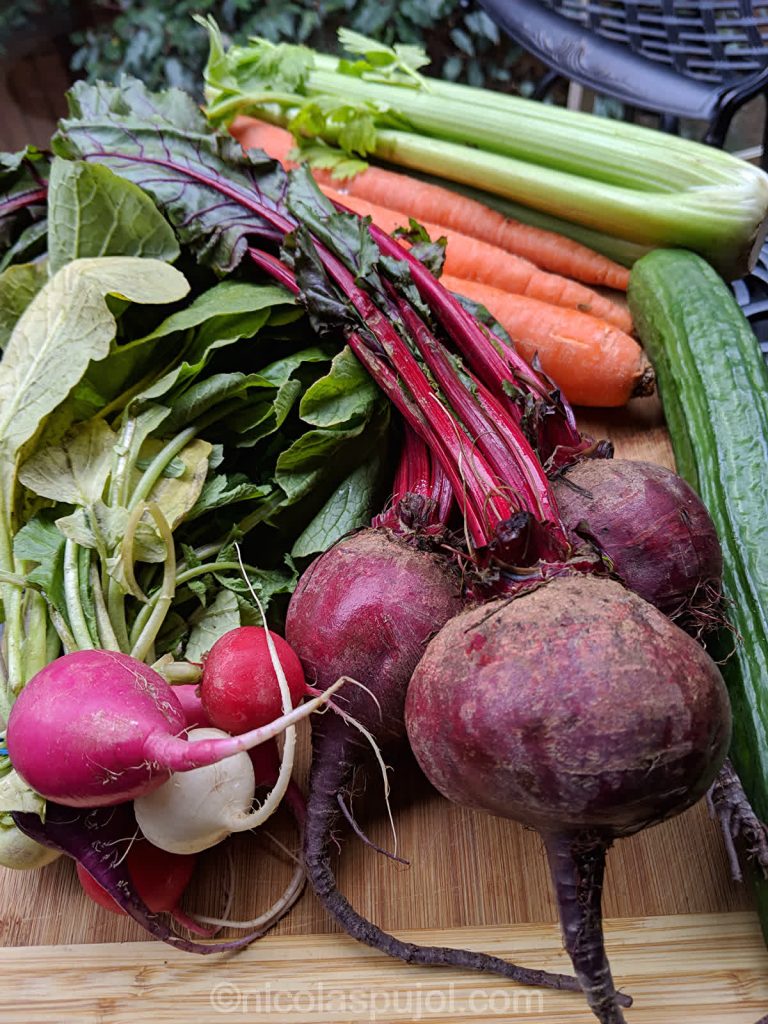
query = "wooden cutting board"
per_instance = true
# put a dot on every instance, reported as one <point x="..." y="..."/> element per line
<point x="683" y="938"/>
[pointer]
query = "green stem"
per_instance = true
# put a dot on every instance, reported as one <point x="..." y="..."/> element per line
<point x="84" y="561"/>
<point x="116" y="612"/>
<point x="63" y="631"/>
<point x="178" y="673"/>
<point x="155" y="469"/>
<point x="36" y="639"/>
<point x="181" y="578"/>
<point x="52" y="639"/>
<point x="146" y="640"/>
<point x="119" y="477"/>
<point x="12" y="605"/>
<point x="75" y="612"/>
<point x="107" y="636"/>
<point x="13" y="579"/>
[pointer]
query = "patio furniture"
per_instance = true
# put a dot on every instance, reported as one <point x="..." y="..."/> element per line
<point x="697" y="59"/>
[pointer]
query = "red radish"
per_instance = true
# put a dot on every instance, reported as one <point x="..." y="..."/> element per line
<point x="239" y="689"/>
<point x="577" y="709"/>
<point x="654" y="528"/>
<point x="160" y="878"/>
<point x="97" y="728"/>
<point x="94" y="837"/>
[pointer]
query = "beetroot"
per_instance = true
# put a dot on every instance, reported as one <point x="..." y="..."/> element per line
<point x="577" y="709"/>
<point x="366" y="609"/>
<point x="654" y="528"/>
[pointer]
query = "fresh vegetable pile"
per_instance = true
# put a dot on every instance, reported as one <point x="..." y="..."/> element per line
<point x="215" y="368"/>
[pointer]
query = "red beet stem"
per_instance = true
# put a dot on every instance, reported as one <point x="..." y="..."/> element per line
<point x="335" y="757"/>
<point x="421" y="493"/>
<point x="498" y="435"/>
<point x="577" y="865"/>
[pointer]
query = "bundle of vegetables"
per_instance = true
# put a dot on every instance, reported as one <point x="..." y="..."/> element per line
<point x="483" y="414"/>
<point x="613" y="178"/>
<point x="138" y="445"/>
<point x="580" y="337"/>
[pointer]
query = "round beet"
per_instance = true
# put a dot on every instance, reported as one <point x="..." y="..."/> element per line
<point x="652" y="525"/>
<point x="367" y="609"/>
<point x="582" y="711"/>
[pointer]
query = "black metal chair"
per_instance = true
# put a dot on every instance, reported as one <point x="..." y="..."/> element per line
<point x="697" y="59"/>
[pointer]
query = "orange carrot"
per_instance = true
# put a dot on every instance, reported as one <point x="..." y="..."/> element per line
<point x="438" y="205"/>
<point x="253" y="134"/>
<point x="474" y="260"/>
<point x="593" y="362"/>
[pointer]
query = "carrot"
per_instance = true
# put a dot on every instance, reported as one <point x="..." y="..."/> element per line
<point x="593" y="362"/>
<point x="254" y="134"/>
<point x="473" y="260"/>
<point x="439" y="205"/>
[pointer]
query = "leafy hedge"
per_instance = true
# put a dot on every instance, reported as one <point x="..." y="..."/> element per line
<point x="158" y="42"/>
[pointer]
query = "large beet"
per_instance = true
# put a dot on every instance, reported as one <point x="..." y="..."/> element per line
<point x="580" y="710"/>
<point x="654" y="528"/>
<point x="366" y="609"/>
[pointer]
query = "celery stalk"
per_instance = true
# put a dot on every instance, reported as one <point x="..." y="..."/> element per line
<point x="599" y="176"/>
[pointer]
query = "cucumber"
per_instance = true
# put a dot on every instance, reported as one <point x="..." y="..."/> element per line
<point x="713" y="384"/>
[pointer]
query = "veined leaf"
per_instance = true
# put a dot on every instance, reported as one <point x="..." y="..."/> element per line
<point x="76" y="470"/>
<point x="18" y="286"/>
<point x="39" y="541"/>
<point x="218" y="619"/>
<point x="205" y="185"/>
<point x="221" y="490"/>
<point x="226" y="300"/>
<point x="350" y="506"/>
<point x="24" y="190"/>
<point x="346" y="394"/>
<point x="68" y="324"/>
<point x="93" y="212"/>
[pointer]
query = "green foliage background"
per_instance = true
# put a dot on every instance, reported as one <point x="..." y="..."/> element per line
<point x="158" y="42"/>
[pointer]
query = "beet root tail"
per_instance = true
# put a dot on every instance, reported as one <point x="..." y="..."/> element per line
<point x="577" y="864"/>
<point x="333" y="762"/>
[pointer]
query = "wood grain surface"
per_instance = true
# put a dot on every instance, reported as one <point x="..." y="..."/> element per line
<point x="467" y="871"/>
<point x="666" y="963"/>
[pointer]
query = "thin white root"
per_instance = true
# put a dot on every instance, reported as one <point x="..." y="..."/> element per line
<point x="276" y="794"/>
<point x="278" y="909"/>
<point x="377" y="754"/>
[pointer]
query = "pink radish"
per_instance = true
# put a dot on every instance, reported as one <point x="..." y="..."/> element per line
<point x="97" y="728"/>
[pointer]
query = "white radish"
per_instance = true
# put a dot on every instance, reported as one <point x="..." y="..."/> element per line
<point x="195" y="810"/>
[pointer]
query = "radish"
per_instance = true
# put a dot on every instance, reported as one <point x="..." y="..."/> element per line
<point x="95" y="837"/>
<point x="21" y="853"/>
<point x="194" y="713"/>
<point x="160" y="879"/>
<point x="96" y="728"/>
<point x="239" y="689"/>
<point x="655" y="530"/>
<point x="192" y="811"/>
<point x="577" y="709"/>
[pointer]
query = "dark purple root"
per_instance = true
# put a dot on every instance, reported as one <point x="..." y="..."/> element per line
<point x="95" y="838"/>
<point x="738" y="821"/>
<point x="577" y="864"/>
<point x="336" y="754"/>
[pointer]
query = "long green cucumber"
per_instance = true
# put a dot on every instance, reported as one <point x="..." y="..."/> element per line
<point x="714" y="386"/>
